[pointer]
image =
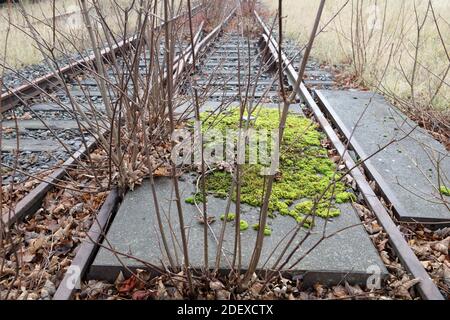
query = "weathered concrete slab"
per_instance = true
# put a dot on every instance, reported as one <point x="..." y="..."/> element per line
<point x="318" y="74"/>
<point x="42" y="125"/>
<point x="231" y="64"/>
<point x="243" y="67"/>
<point x="32" y="145"/>
<point x="94" y="83"/>
<point x="76" y="92"/>
<point x="134" y="232"/>
<point x="232" y="94"/>
<point x="236" y="83"/>
<point x="222" y="59"/>
<point x="410" y="170"/>
<point x="51" y="107"/>
<point x="319" y="83"/>
<point x="224" y="72"/>
<point x="242" y="50"/>
<point x="348" y="255"/>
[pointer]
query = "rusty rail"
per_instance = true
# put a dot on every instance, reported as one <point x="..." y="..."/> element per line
<point x="31" y="202"/>
<point x="426" y="286"/>
<point x="89" y="247"/>
<point x="32" y="89"/>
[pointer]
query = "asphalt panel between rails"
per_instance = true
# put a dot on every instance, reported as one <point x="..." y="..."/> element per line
<point x="407" y="170"/>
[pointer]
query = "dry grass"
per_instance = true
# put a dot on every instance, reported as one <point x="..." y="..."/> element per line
<point x="337" y="44"/>
<point x="21" y="49"/>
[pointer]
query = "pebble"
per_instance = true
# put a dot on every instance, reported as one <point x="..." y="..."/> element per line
<point x="76" y="209"/>
<point x="28" y="73"/>
<point x="33" y="296"/>
<point x="23" y="295"/>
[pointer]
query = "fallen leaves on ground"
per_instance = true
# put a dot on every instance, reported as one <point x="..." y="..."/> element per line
<point x="128" y="285"/>
<point x="42" y="247"/>
<point x="175" y="288"/>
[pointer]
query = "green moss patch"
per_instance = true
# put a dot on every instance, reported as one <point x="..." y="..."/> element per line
<point x="230" y="217"/>
<point x="304" y="174"/>
<point x="197" y="198"/>
<point x="344" y="197"/>
<point x="243" y="225"/>
<point x="267" y="230"/>
<point x="445" y="191"/>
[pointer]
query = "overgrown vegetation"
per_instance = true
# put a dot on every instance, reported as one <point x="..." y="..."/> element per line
<point x="62" y="16"/>
<point x="399" y="47"/>
<point x="137" y="146"/>
<point x="305" y="170"/>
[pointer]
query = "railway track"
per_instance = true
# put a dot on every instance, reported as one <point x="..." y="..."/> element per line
<point x="42" y="129"/>
<point x="231" y="68"/>
<point x="427" y="288"/>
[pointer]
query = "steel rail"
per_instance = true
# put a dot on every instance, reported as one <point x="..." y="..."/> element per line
<point x="427" y="288"/>
<point x="186" y="62"/>
<point x="31" y="202"/>
<point x="90" y="245"/>
<point x="214" y="33"/>
<point x="88" y="249"/>
<point x="32" y="89"/>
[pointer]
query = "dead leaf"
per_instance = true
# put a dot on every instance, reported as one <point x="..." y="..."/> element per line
<point x="376" y="227"/>
<point x="382" y="245"/>
<point x="385" y="257"/>
<point x="447" y="275"/>
<point x="339" y="292"/>
<point x="216" y="285"/>
<point x="223" y="295"/>
<point x="426" y="265"/>
<point x="143" y="295"/>
<point x="319" y="289"/>
<point x="336" y="159"/>
<point x="60" y="208"/>
<point x="161" y="289"/>
<point x="353" y="290"/>
<point x="36" y="244"/>
<point x="96" y="157"/>
<point x="162" y="172"/>
<point x="304" y="296"/>
<point x="26" y="116"/>
<point x="33" y="296"/>
<point x="28" y="257"/>
<point x="442" y="246"/>
<point x="128" y="285"/>
<point x="210" y="220"/>
<point x="362" y="211"/>
<point x="256" y="289"/>
<point x="402" y="290"/>
<point x="421" y="250"/>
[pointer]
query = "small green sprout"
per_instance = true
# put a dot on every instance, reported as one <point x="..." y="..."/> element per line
<point x="243" y="225"/>
<point x="445" y="191"/>
<point x="230" y="217"/>
<point x="267" y="230"/>
<point x="345" y="197"/>
<point x="197" y="198"/>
